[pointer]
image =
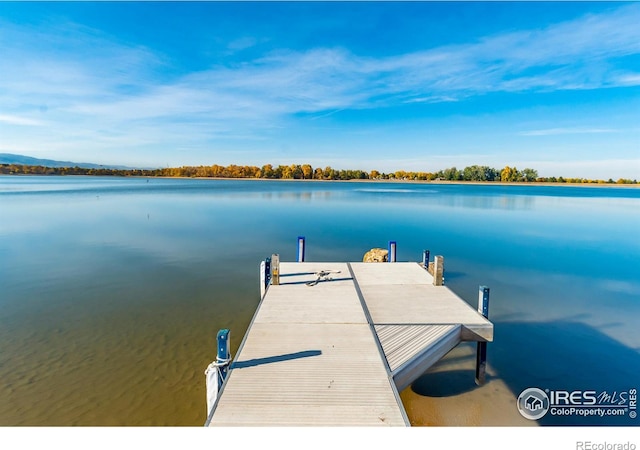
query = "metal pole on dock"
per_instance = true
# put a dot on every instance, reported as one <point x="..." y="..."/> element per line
<point x="224" y="351"/>
<point x="265" y="275"/>
<point x="217" y="371"/>
<point x="481" y="353"/>
<point x="392" y="251"/>
<point x="301" y="242"/>
<point x="263" y="278"/>
<point x="438" y="270"/>
<point x="426" y="255"/>
<point x="267" y="270"/>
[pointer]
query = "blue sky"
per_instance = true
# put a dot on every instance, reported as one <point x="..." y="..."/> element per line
<point x="368" y="85"/>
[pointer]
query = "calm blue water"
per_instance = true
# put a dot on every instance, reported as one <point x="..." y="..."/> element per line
<point x="112" y="290"/>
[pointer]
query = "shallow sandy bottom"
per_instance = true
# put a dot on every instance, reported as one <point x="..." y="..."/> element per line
<point x="447" y="395"/>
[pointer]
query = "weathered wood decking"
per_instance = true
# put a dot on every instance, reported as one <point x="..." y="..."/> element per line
<point x="337" y="352"/>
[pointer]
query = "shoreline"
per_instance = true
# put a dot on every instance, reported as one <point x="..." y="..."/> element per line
<point x="297" y="180"/>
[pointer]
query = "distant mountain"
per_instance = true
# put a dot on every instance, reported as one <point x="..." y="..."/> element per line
<point x="9" y="158"/>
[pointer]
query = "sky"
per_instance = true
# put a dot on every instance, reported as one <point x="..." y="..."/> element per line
<point x="416" y="86"/>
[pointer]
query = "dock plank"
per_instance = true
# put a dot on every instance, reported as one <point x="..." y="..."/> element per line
<point x="377" y="274"/>
<point x="328" y="387"/>
<point x="403" y="342"/>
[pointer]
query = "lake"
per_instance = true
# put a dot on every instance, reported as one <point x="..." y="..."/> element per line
<point x="112" y="289"/>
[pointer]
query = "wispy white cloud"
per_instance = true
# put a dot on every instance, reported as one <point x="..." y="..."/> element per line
<point x="100" y="92"/>
<point x="431" y="99"/>
<point x="17" y="120"/>
<point x="628" y="79"/>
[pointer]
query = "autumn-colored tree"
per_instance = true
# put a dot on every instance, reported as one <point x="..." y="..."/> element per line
<point x="287" y="173"/>
<point x="471" y="173"/>
<point x="267" y="171"/>
<point x="329" y="173"/>
<point x="307" y="172"/>
<point x="278" y="171"/>
<point x="296" y="171"/>
<point x="509" y="174"/>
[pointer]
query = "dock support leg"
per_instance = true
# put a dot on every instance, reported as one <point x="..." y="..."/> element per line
<point x="301" y="242"/>
<point x="438" y="270"/>
<point x="481" y="353"/>
<point x="392" y="251"/>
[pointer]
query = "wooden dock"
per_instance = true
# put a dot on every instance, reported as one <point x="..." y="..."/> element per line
<point x="337" y="352"/>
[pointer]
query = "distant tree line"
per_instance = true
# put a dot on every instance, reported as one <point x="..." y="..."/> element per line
<point x="306" y="172"/>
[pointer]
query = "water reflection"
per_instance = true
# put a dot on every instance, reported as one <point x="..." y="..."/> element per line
<point x="123" y="283"/>
<point x="302" y="195"/>
<point x="450" y="199"/>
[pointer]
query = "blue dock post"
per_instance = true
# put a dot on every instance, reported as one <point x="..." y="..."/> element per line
<point x="426" y="255"/>
<point x="265" y="276"/>
<point x="216" y="372"/>
<point x="224" y="351"/>
<point x="392" y="251"/>
<point x="267" y="270"/>
<point x="481" y="353"/>
<point x="301" y="242"/>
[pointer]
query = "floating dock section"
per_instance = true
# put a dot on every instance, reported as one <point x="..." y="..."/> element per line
<point x="332" y="344"/>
